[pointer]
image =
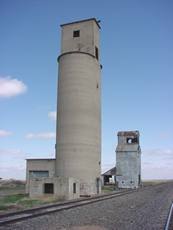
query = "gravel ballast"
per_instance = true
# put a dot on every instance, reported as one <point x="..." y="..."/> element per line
<point x="145" y="209"/>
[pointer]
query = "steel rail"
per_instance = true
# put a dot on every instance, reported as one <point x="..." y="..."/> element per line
<point x="60" y="203"/>
<point x="168" y="221"/>
<point x="60" y="206"/>
<point x="35" y="212"/>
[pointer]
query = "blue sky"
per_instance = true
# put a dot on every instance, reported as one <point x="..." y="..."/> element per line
<point x="137" y="77"/>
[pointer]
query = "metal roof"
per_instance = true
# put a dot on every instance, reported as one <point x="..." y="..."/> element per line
<point x="111" y="172"/>
<point x="128" y="133"/>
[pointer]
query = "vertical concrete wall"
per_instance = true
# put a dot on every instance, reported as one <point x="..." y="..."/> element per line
<point x="128" y="160"/>
<point x="86" y="42"/>
<point x="39" y="165"/>
<point x="78" y="148"/>
<point x="63" y="188"/>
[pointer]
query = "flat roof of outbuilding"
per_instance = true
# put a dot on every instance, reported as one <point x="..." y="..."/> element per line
<point x="84" y="20"/>
<point x="38" y="159"/>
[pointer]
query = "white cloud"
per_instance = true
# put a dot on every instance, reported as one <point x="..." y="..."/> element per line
<point x="52" y="115"/>
<point x="106" y="167"/>
<point x="12" y="163"/>
<point x="11" y="87"/>
<point x="157" y="164"/>
<point x="11" y="152"/>
<point x="157" y="155"/>
<point x="4" y="133"/>
<point x="45" y="135"/>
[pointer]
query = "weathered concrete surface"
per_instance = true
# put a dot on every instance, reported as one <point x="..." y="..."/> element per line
<point x="128" y="160"/>
<point x="78" y="148"/>
<point x="63" y="188"/>
<point x="145" y="210"/>
<point x="86" y="42"/>
<point x="39" y="165"/>
<point x="78" y="140"/>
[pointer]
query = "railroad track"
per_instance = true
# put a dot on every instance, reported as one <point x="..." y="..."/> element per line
<point x="169" y="222"/>
<point x="47" y="209"/>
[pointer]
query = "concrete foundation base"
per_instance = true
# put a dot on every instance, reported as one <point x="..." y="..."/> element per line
<point x="58" y="187"/>
<point x="126" y="182"/>
<point x="91" y="188"/>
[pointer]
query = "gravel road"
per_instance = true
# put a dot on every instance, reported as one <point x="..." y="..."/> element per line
<point x="146" y="209"/>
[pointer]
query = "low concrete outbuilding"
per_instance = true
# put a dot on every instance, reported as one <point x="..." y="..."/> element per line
<point x="39" y="168"/>
<point x="41" y="181"/>
<point x="60" y="188"/>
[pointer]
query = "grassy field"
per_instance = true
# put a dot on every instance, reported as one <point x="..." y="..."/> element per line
<point x="11" y="187"/>
<point x="108" y="188"/>
<point x="153" y="182"/>
<point x="145" y="183"/>
<point x="13" y="197"/>
<point x="19" y="202"/>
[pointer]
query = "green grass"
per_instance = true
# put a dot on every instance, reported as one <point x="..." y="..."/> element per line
<point x="12" y="198"/>
<point x="7" y="201"/>
<point x="28" y="203"/>
<point x="22" y="201"/>
<point x="108" y="188"/>
<point x="18" y="201"/>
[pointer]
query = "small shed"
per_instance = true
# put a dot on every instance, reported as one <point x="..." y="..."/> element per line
<point x="109" y="176"/>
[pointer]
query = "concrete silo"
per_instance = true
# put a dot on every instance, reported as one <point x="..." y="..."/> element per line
<point x="78" y="139"/>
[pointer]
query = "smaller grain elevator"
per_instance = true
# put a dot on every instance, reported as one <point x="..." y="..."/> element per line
<point x="78" y="139"/>
<point x="128" y="160"/>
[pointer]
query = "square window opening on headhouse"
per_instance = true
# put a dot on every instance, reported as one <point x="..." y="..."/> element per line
<point x="76" y="33"/>
<point x="131" y="140"/>
<point x="49" y="188"/>
<point x="96" y="53"/>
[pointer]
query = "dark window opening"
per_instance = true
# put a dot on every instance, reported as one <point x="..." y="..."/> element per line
<point x="139" y="179"/>
<point x="37" y="173"/>
<point x="97" y="184"/>
<point x="129" y="140"/>
<point x="122" y="182"/>
<point x="96" y="52"/>
<point x="132" y="140"/>
<point x="76" y="33"/>
<point x="74" y="187"/>
<point x="48" y="188"/>
<point x="135" y="140"/>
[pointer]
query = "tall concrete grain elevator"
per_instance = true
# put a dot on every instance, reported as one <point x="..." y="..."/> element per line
<point x="78" y="138"/>
<point x="77" y="167"/>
